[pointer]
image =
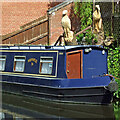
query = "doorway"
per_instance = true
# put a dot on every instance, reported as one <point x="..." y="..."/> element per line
<point x="74" y="65"/>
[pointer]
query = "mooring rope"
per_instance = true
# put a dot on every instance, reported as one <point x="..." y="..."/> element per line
<point x="112" y="76"/>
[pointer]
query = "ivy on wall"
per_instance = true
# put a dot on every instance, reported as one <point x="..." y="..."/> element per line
<point x="84" y="10"/>
<point x="114" y="65"/>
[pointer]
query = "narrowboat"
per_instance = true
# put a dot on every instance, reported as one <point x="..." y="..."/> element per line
<point x="73" y="74"/>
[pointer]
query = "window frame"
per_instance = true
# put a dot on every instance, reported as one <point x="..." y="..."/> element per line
<point x="14" y="63"/>
<point x="5" y="61"/>
<point x="41" y="67"/>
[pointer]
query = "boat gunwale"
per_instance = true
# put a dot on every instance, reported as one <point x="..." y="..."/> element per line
<point x="34" y="85"/>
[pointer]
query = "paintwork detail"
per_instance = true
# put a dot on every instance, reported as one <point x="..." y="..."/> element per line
<point x="32" y="61"/>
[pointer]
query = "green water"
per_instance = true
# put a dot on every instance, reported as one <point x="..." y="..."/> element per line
<point x="24" y="107"/>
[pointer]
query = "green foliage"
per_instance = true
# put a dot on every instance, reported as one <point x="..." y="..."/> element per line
<point x="117" y="110"/>
<point x="113" y="61"/>
<point x="84" y="11"/>
<point x="114" y="65"/>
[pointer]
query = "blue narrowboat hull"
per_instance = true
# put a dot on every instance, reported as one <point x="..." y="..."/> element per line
<point x="63" y="91"/>
<point x="96" y="97"/>
<point x="73" y="73"/>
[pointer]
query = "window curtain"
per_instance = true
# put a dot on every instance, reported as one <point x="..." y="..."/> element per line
<point x="2" y="64"/>
<point x="19" y="66"/>
<point x="46" y="68"/>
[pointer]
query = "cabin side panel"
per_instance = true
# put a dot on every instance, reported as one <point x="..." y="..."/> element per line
<point x="53" y="60"/>
<point x="32" y="61"/>
<point x="95" y="63"/>
<point x="61" y="69"/>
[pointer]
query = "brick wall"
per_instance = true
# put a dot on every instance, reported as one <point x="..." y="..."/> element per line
<point x="16" y="14"/>
<point x="55" y="27"/>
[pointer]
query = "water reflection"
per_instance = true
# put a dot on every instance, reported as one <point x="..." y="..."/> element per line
<point x="117" y="109"/>
<point x="25" y="107"/>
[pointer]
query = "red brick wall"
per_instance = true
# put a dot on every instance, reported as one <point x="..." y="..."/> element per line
<point x="16" y="14"/>
<point x="55" y="27"/>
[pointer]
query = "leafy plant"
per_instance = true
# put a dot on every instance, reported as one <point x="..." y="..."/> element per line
<point x="84" y="11"/>
<point x="114" y="65"/>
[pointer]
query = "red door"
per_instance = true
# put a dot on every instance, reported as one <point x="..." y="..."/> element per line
<point x="74" y="65"/>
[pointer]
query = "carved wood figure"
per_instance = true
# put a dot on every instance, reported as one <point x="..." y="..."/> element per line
<point x="98" y="26"/>
<point x="108" y="41"/>
<point x="66" y="24"/>
<point x="97" y="20"/>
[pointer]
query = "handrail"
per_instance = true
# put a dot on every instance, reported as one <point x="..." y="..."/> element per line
<point x="60" y="37"/>
<point x="83" y="30"/>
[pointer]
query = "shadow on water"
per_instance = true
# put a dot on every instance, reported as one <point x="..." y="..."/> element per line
<point x="25" y="107"/>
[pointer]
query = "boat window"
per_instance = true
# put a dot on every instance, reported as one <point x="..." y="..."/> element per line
<point x="46" y="64"/>
<point x="2" y="63"/>
<point x="19" y="63"/>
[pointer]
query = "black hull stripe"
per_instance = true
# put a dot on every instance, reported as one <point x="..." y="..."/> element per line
<point x="33" y="85"/>
<point x="58" y="100"/>
<point x="46" y="94"/>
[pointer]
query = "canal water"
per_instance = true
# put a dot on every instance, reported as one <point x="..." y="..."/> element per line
<point x="15" y="107"/>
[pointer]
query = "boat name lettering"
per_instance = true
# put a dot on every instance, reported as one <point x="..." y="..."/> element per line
<point x="32" y="60"/>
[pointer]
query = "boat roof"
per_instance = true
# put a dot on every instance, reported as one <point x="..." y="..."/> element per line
<point x="38" y="47"/>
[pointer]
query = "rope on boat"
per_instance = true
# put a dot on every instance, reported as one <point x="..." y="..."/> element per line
<point x="112" y="76"/>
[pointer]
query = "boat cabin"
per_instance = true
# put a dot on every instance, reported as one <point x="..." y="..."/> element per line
<point x="72" y="62"/>
<point x="57" y="73"/>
